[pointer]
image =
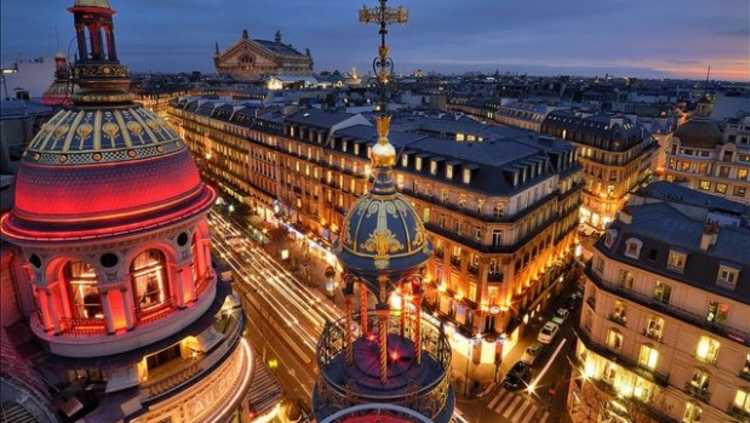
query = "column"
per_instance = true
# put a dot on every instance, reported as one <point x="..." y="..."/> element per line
<point x="363" y="308"/>
<point x="47" y="319"/>
<point x="111" y="49"/>
<point x="349" y="338"/>
<point x="107" y="309"/>
<point x="96" y="41"/>
<point x="418" y="323"/>
<point x="185" y="286"/>
<point x="81" y="36"/>
<point x="54" y="312"/>
<point x="128" y="304"/>
<point x="383" y="313"/>
<point x="404" y="309"/>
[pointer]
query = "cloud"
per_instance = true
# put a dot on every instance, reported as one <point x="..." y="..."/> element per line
<point x="179" y="35"/>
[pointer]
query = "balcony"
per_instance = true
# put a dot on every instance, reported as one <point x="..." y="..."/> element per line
<point x="83" y="327"/>
<point x="651" y="334"/>
<point x="676" y="312"/>
<point x="494" y="277"/>
<point x="150" y="327"/>
<point x="698" y="392"/>
<point x="473" y="269"/>
<point x="738" y="413"/>
<point x="456" y="262"/>
<point x="619" y="319"/>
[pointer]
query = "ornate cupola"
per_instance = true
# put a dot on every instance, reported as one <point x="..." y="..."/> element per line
<point x="390" y="355"/>
<point x="98" y="73"/>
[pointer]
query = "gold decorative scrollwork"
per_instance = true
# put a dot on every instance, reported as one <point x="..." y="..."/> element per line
<point x="382" y="242"/>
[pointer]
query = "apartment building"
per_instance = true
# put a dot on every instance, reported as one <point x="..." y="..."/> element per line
<point x="664" y="332"/>
<point x="703" y="157"/>
<point x="615" y="153"/>
<point x="500" y="204"/>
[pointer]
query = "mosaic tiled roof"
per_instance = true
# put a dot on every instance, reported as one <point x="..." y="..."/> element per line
<point x="81" y="136"/>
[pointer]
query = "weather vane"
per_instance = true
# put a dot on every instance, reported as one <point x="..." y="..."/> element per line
<point x="382" y="65"/>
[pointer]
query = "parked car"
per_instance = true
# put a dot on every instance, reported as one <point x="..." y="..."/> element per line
<point x="531" y="353"/>
<point x="517" y="376"/>
<point x="561" y="315"/>
<point x="571" y="303"/>
<point x="548" y="332"/>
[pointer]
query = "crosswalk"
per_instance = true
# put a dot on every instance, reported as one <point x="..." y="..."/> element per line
<point x="517" y="408"/>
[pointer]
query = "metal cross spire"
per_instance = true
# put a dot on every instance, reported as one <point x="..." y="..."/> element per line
<point x="383" y="65"/>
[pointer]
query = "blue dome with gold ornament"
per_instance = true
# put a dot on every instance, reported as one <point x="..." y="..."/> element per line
<point x="382" y="233"/>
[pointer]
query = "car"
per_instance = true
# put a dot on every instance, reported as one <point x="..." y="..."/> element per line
<point x="561" y="315"/>
<point x="517" y="377"/>
<point x="571" y="303"/>
<point x="548" y="333"/>
<point x="531" y="353"/>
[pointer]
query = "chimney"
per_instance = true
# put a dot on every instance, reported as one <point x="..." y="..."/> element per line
<point x="709" y="236"/>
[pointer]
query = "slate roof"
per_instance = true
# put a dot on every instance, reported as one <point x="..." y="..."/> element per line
<point x="670" y="191"/>
<point x="661" y="227"/>
<point x="318" y="118"/>
<point x="279" y="48"/>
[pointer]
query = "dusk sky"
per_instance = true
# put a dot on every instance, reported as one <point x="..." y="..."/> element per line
<point x="658" y="38"/>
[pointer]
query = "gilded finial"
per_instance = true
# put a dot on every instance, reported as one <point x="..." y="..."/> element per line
<point x="383" y="153"/>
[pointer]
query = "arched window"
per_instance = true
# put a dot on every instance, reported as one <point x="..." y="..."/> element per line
<point x="86" y="302"/>
<point x="150" y="284"/>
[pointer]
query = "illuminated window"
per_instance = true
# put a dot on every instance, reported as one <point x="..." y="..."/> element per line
<point x="633" y="248"/>
<point x="742" y="173"/>
<point x="467" y="176"/>
<point x="648" y="357"/>
<point x="742" y="401"/>
<point x="721" y="188"/>
<point x="404" y="160"/>
<point x="692" y="413"/>
<point x="86" y="301"/>
<point x="433" y="167"/>
<point x="707" y="350"/>
<point x="449" y="171"/>
<point x="460" y="137"/>
<point x="619" y="313"/>
<point x="418" y="163"/>
<point x="727" y="276"/>
<point x="705" y="185"/>
<point x="626" y="279"/>
<point x="610" y="237"/>
<point x="717" y="313"/>
<point x="654" y="327"/>
<point x="614" y="339"/>
<point x="662" y="292"/>
<point x="472" y="291"/>
<point x="676" y="261"/>
<point x="400" y="181"/>
<point x="699" y="382"/>
<point x="150" y="286"/>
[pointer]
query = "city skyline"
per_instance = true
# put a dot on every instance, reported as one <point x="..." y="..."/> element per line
<point x="664" y="40"/>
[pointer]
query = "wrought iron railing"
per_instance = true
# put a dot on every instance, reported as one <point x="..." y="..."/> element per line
<point x="428" y="398"/>
<point x="83" y="327"/>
